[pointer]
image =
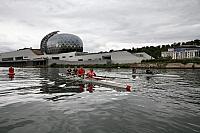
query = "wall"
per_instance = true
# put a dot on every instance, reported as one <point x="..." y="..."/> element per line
<point x="167" y="65"/>
<point x="76" y="62"/>
<point x="120" y="57"/>
<point x="116" y="57"/>
<point x="25" y="53"/>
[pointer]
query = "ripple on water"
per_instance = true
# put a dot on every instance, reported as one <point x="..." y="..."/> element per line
<point x="42" y="100"/>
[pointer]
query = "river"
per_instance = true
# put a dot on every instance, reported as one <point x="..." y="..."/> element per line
<point x="41" y="100"/>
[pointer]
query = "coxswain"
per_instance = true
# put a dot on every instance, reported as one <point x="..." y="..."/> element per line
<point x="91" y="73"/>
<point x="81" y="72"/>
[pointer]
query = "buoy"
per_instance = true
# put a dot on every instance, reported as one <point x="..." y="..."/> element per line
<point x="11" y="72"/>
<point x="128" y="88"/>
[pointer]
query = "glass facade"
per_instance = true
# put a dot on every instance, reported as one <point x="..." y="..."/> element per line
<point x="62" y="43"/>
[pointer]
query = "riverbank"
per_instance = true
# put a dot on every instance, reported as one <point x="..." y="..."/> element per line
<point x="137" y="65"/>
<point x="167" y="65"/>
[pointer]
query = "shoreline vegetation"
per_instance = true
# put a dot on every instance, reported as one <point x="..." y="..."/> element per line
<point x="155" y="51"/>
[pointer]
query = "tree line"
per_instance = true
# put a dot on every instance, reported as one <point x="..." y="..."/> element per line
<point x="155" y="51"/>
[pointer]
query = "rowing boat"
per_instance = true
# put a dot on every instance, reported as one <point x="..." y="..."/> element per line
<point x="102" y="81"/>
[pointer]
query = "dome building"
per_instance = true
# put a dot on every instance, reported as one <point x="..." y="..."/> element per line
<point x="55" y="43"/>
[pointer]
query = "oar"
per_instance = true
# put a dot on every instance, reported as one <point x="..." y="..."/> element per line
<point x="112" y="77"/>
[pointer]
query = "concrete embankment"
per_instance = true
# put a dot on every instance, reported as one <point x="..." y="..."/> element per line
<point x="167" y="65"/>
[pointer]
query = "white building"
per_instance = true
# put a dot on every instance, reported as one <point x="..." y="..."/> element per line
<point x="115" y="57"/>
<point x="22" y="54"/>
<point x="186" y="52"/>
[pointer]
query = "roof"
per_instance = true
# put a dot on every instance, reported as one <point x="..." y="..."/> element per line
<point x="37" y="51"/>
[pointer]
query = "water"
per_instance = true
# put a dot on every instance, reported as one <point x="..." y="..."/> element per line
<point x="38" y="101"/>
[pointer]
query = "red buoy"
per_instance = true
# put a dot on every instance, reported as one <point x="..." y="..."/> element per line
<point x="11" y="72"/>
<point x="128" y="88"/>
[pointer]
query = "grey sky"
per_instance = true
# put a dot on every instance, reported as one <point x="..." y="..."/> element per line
<point x="101" y="24"/>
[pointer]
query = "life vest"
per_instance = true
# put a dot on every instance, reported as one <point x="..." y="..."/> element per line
<point x="81" y="72"/>
<point x="91" y="74"/>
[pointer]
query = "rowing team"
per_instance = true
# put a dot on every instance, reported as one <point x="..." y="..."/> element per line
<point x="80" y="72"/>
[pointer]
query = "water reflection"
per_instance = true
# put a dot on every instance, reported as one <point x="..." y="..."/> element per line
<point x="58" y="82"/>
<point x="46" y="98"/>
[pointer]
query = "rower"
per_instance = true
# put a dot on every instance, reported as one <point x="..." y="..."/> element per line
<point x="81" y="72"/>
<point x="91" y="73"/>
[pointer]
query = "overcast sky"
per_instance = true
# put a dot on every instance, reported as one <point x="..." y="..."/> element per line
<point x="101" y="24"/>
